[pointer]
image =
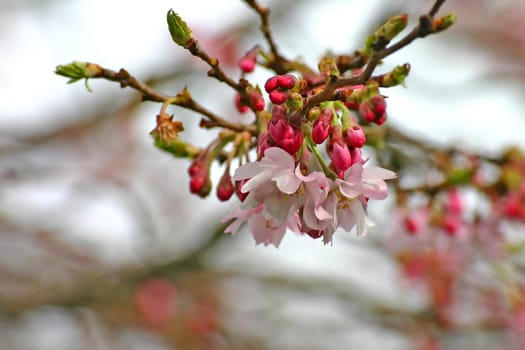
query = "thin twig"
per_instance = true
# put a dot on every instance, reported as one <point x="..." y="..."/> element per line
<point x="374" y="60"/>
<point x="277" y="62"/>
<point x="127" y="80"/>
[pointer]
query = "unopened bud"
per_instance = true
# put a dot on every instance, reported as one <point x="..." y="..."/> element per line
<point x="322" y="126"/>
<point x="271" y="84"/>
<point x="443" y="23"/>
<point x="294" y="101"/>
<point x="328" y="67"/>
<point x="247" y="63"/>
<point x="225" y="187"/>
<point x="396" y="77"/>
<point x="257" y="101"/>
<point x="179" y="30"/>
<point x="338" y="151"/>
<point x="286" y="81"/>
<point x="384" y="34"/>
<point x="241" y="107"/>
<point x="355" y="136"/>
<point x="79" y="70"/>
<point x="200" y="184"/>
<point x="278" y="97"/>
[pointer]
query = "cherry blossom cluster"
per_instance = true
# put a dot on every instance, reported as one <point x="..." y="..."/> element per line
<point x="283" y="193"/>
<point x="301" y="163"/>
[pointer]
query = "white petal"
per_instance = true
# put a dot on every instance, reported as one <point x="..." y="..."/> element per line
<point x="375" y="173"/>
<point x="362" y="221"/>
<point x="247" y="171"/>
<point x="349" y="189"/>
<point x="286" y="181"/>
<point x="279" y="158"/>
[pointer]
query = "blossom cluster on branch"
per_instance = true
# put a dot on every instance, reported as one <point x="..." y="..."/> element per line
<point x="310" y="174"/>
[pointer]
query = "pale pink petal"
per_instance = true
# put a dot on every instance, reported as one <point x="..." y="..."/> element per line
<point x="262" y="179"/>
<point x="349" y="189"/>
<point x="286" y="181"/>
<point x="247" y="171"/>
<point x="374" y="185"/>
<point x="279" y="207"/>
<point x="240" y="216"/>
<point x="264" y="233"/>
<point x="362" y="221"/>
<point x="278" y="158"/>
<point x="374" y="172"/>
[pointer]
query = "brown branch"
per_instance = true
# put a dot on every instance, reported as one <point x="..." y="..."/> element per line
<point x="419" y="31"/>
<point x="148" y="94"/>
<point x="215" y="71"/>
<point x="277" y="62"/>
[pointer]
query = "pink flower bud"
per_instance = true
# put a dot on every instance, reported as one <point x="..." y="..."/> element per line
<point x="381" y="119"/>
<point x="195" y="167"/>
<point x="242" y="108"/>
<point x="257" y="101"/>
<point x="284" y="135"/>
<point x="279" y="112"/>
<point x="278" y="97"/>
<point x="355" y="136"/>
<point x="263" y="143"/>
<point x="322" y="126"/>
<point x="338" y="151"/>
<point x="378" y="103"/>
<point x="366" y="113"/>
<point x="247" y="63"/>
<point x="373" y="110"/>
<point x="287" y="81"/>
<point x="356" y="155"/>
<point x="200" y="184"/>
<point x="320" y="131"/>
<point x="271" y="84"/>
<point x="225" y="187"/>
<point x="292" y="144"/>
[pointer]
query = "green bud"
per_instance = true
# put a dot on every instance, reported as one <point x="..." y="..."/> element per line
<point x="443" y="23"/>
<point x="395" y="77"/>
<point x="79" y="70"/>
<point x="328" y="67"/>
<point x="179" y="30"/>
<point x="294" y="101"/>
<point x="384" y="34"/>
<point x="394" y="26"/>
<point x="314" y="113"/>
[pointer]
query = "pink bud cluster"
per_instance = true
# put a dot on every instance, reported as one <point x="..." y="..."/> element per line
<point x="200" y="182"/>
<point x="283" y="133"/>
<point x="252" y="98"/>
<point x="373" y="110"/>
<point x="345" y="138"/>
<point x="278" y="87"/>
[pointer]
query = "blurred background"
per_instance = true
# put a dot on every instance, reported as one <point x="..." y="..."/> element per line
<point x="103" y="247"/>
